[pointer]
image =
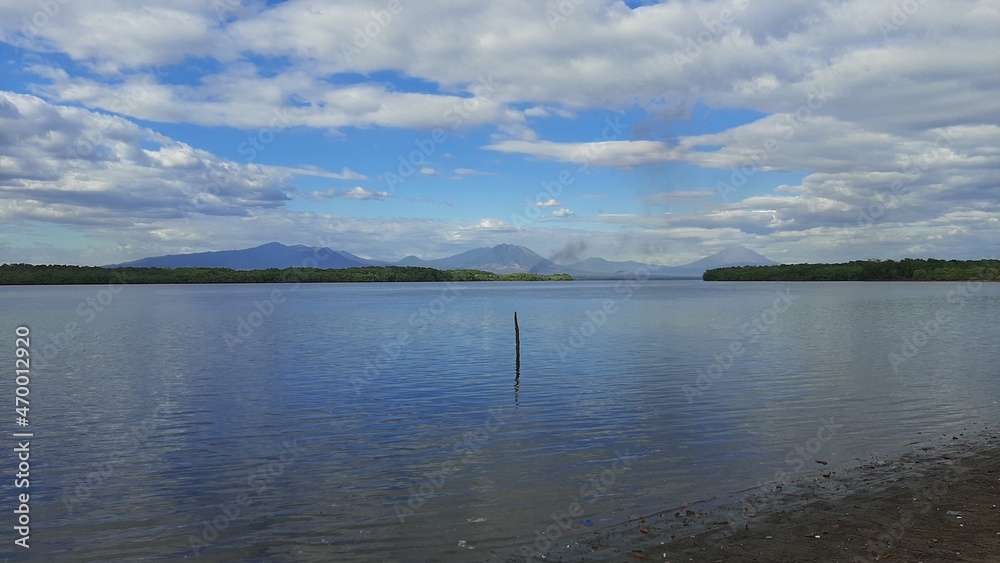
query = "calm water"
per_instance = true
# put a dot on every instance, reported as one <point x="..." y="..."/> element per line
<point x="386" y="421"/>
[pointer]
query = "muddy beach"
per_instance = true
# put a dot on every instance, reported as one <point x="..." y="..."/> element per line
<point x="935" y="503"/>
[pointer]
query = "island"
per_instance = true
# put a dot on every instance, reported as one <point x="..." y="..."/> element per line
<point x="909" y="269"/>
<point x="28" y="274"/>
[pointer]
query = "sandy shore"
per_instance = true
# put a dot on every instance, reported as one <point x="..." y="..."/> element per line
<point x="937" y="503"/>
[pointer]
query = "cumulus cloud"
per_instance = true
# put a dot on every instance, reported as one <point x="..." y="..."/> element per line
<point x="606" y="55"/>
<point x="355" y="193"/>
<point x="547" y="203"/>
<point x="345" y="174"/>
<point x="774" y="59"/>
<point x="118" y="35"/>
<point x="69" y="165"/>
<point x="598" y="153"/>
<point x="240" y="97"/>
<point x="891" y="120"/>
<point x="493" y="224"/>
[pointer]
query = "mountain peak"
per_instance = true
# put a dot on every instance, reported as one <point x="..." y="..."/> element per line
<point x="732" y="255"/>
<point x="501" y="258"/>
<point x="269" y="255"/>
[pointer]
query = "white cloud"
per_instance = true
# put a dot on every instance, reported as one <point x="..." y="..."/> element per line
<point x="240" y="97"/>
<point x="364" y="194"/>
<point x="855" y="100"/>
<point x="547" y="203"/>
<point x="69" y="165"/>
<point x="117" y="35"/>
<point x="605" y="55"/>
<point x="598" y="153"/>
<point x="877" y="75"/>
<point x="562" y="213"/>
<point x="355" y="193"/>
<point x="493" y="224"/>
<point x="547" y="111"/>
<point x="314" y="171"/>
<point x="679" y="196"/>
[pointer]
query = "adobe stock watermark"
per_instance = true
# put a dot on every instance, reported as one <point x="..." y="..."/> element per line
<point x="889" y="198"/>
<point x="125" y="101"/>
<point x="877" y="548"/>
<point x="257" y="483"/>
<point x="248" y="324"/>
<point x="713" y="31"/>
<point x="257" y="142"/>
<point x="393" y="346"/>
<point x="750" y="332"/>
<point x="41" y="18"/>
<point x="613" y="129"/>
<point x="901" y="13"/>
<point x="921" y="335"/>
<point x="364" y="35"/>
<point x="462" y="451"/>
<point x="426" y="147"/>
<point x="88" y="309"/>
<point x="225" y="8"/>
<point x="563" y="522"/>
<point x="82" y="489"/>
<point x="559" y="11"/>
<point x="602" y="482"/>
<point x="250" y="148"/>
<point x="757" y="160"/>
<point x="597" y="317"/>
<point x="796" y="459"/>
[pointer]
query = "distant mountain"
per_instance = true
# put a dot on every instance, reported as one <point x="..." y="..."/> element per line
<point x="731" y="256"/>
<point x="410" y="261"/>
<point x="602" y="267"/>
<point x="270" y="255"/>
<point x="502" y="258"/>
<point x="736" y="255"/>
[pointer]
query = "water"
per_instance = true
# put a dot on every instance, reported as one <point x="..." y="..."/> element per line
<point x="386" y="421"/>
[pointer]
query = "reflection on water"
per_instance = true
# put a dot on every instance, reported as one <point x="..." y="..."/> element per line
<point x="357" y="421"/>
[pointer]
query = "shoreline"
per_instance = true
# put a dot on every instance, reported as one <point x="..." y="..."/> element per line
<point x="938" y="502"/>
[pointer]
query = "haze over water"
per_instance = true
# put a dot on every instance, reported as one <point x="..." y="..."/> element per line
<point x="385" y="421"/>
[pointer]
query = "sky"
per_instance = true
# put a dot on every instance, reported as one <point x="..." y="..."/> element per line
<point x="809" y="131"/>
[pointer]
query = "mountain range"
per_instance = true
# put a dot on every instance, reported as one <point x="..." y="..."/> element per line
<point x="502" y="258"/>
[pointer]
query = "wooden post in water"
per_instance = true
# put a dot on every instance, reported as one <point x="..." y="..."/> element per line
<point x="517" y="361"/>
<point x="517" y="346"/>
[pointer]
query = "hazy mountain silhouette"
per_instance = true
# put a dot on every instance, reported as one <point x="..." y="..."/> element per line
<point x="735" y="255"/>
<point x="602" y="266"/>
<point x="270" y="255"/>
<point x="502" y="258"/>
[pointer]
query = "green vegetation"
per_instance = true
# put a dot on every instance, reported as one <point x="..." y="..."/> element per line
<point x="26" y="274"/>
<point x="909" y="269"/>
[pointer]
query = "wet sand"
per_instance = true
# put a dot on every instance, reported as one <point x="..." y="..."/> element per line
<point x="937" y="503"/>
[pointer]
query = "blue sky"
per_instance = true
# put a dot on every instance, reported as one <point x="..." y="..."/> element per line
<point x="657" y="132"/>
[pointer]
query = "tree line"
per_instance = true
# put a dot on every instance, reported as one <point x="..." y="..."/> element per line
<point x="28" y="274"/>
<point x="909" y="269"/>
